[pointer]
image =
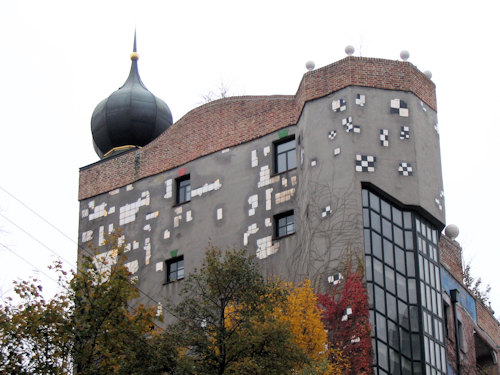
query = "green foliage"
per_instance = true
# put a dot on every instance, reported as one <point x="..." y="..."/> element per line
<point x="226" y="322"/>
<point x="35" y="334"/>
<point x="88" y="327"/>
<point x="476" y="285"/>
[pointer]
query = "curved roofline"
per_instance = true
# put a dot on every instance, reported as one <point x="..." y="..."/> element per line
<point x="227" y="122"/>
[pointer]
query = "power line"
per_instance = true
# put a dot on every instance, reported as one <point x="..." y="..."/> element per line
<point x="87" y="252"/>
<point x="37" y="240"/>
<point x="28" y="262"/>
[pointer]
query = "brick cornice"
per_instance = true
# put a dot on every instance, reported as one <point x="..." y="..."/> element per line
<point x="231" y="121"/>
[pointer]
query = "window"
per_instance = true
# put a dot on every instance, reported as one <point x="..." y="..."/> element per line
<point x="460" y="329"/>
<point x="183" y="189"/>
<point x="285" y="224"/>
<point x="445" y="316"/>
<point x="175" y="269"/>
<point x="285" y="155"/>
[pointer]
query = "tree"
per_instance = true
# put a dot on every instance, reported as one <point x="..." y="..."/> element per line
<point x="347" y="319"/>
<point x="301" y="313"/>
<point x="475" y="286"/>
<point x="223" y="91"/>
<point x="35" y="335"/>
<point x="226" y="321"/>
<point x="89" y="327"/>
<point x="108" y="334"/>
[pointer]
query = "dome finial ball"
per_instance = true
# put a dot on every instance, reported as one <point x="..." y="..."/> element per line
<point x="349" y="50"/>
<point x="451" y="231"/>
<point x="134" y="56"/>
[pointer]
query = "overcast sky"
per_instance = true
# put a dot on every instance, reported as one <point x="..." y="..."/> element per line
<point x="58" y="59"/>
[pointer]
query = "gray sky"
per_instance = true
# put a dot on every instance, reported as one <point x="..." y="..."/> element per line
<point x="58" y="59"/>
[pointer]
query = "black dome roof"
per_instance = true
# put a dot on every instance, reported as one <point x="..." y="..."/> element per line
<point x="130" y="117"/>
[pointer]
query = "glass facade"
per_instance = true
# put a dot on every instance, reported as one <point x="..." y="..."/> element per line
<point x="403" y="282"/>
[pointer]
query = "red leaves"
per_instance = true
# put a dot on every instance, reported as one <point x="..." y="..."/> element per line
<point x="345" y="314"/>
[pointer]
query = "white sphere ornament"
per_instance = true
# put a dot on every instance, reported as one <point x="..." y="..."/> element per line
<point x="428" y="74"/>
<point x="451" y="231"/>
<point x="310" y="65"/>
<point x="404" y="54"/>
<point x="349" y="50"/>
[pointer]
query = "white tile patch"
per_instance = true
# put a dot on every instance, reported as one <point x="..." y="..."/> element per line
<point x="266" y="248"/>
<point x="98" y="211"/>
<point x="130" y="187"/>
<point x="152" y="215"/>
<point x="284" y="182"/>
<point x="135" y="245"/>
<point x="147" y="248"/>
<point x="189" y="216"/>
<point x="284" y="196"/>
<point x="129" y="211"/>
<point x="267" y="150"/>
<point x="87" y="236"/>
<point x="336" y="151"/>
<point x="166" y="234"/>
<point x="225" y="150"/>
<point x="168" y="188"/>
<point x="177" y="220"/>
<point x="265" y="177"/>
<point x="198" y="192"/>
<point x="268" y="222"/>
<point x="114" y="192"/>
<point x="269" y="195"/>
<point x="159" y="266"/>
<point x="111" y="210"/>
<point x="85" y="213"/>
<point x="101" y="235"/>
<point x="252" y="229"/>
<point x="111" y="228"/>
<point x="147" y="228"/>
<point x="219" y="214"/>
<point x="360" y="100"/>
<point x="133" y="266"/>
<point x="254" y="160"/>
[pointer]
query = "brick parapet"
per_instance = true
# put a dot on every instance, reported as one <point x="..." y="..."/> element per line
<point x="487" y="322"/>
<point x="450" y="253"/>
<point x="231" y="121"/>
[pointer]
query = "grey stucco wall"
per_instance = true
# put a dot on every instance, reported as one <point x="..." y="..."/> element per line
<point x="236" y="194"/>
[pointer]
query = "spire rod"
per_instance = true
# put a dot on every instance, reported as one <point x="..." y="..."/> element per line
<point x="135" y="40"/>
<point x="134" y="56"/>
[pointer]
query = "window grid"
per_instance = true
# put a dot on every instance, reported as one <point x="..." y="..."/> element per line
<point x="286" y="156"/>
<point x="183" y="189"/>
<point x="285" y="224"/>
<point x="392" y="273"/>
<point x="175" y="269"/>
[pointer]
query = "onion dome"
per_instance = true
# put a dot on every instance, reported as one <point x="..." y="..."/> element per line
<point x="131" y="117"/>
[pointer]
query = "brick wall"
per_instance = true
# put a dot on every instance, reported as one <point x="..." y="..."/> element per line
<point x="450" y="254"/>
<point x="488" y="323"/>
<point x="228" y="122"/>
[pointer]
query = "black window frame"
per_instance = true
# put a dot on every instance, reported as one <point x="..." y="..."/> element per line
<point x="171" y="262"/>
<point x="183" y="191"/>
<point x="288" y="165"/>
<point x="278" y="220"/>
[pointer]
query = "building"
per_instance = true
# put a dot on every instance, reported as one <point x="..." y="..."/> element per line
<point x="350" y="163"/>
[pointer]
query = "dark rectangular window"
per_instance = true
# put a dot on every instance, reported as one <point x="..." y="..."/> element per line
<point x="285" y="224"/>
<point x="285" y="155"/>
<point x="460" y="332"/>
<point x="175" y="269"/>
<point x="183" y="189"/>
